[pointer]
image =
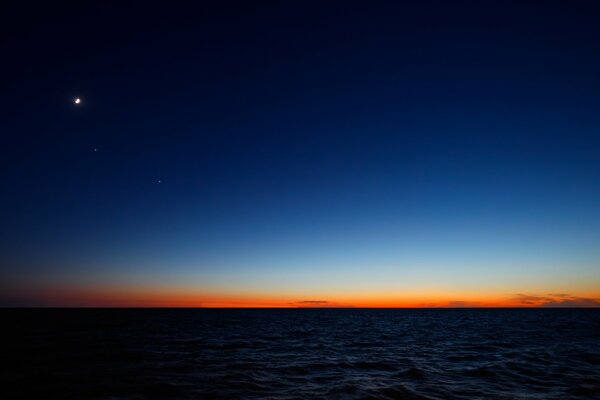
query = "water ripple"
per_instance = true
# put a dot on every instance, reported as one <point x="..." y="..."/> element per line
<point x="296" y="354"/>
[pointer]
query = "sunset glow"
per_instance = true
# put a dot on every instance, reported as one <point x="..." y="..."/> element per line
<point x="95" y="296"/>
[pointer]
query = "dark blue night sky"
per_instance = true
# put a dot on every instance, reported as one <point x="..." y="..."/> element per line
<point x="358" y="152"/>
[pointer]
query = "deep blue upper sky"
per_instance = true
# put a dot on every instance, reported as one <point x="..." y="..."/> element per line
<point x="295" y="135"/>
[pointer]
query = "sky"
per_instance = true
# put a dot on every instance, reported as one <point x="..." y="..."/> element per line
<point x="300" y="154"/>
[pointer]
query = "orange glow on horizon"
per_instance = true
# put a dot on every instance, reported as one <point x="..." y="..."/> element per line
<point x="97" y="296"/>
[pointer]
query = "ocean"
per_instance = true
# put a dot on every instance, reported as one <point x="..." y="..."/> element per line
<point x="300" y="354"/>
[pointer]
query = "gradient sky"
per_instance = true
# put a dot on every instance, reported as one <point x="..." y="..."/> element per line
<point x="337" y="153"/>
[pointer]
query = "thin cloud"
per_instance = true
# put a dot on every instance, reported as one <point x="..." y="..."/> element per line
<point x="573" y="302"/>
<point x="317" y="304"/>
<point x="556" y="300"/>
<point x="312" y="302"/>
<point x="461" y="304"/>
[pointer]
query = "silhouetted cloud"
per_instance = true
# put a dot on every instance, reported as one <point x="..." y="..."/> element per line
<point x="452" y="304"/>
<point x="573" y="302"/>
<point x="461" y="303"/>
<point x="527" y="299"/>
<point x="317" y="303"/>
<point x="312" y="302"/>
<point x="559" y="295"/>
<point x="556" y="300"/>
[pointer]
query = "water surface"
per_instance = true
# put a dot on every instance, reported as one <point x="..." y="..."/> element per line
<point x="301" y="353"/>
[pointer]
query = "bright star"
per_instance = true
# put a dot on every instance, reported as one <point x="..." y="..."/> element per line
<point x="77" y="100"/>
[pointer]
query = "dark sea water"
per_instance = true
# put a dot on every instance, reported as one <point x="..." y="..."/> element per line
<point x="300" y="353"/>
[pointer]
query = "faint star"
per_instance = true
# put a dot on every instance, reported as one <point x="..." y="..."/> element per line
<point x="159" y="181"/>
<point x="95" y="150"/>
